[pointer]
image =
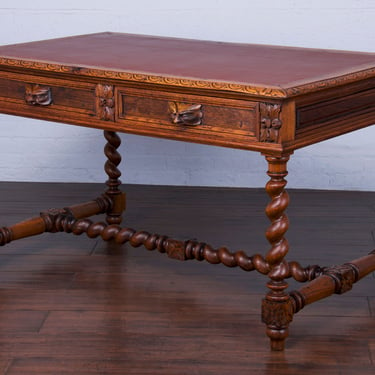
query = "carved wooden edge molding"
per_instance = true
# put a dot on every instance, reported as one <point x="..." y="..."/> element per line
<point x="270" y="92"/>
<point x="185" y="114"/>
<point x="105" y="102"/>
<point x="329" y="83"/>
<point x="270" y="122"/>
<point x="38" y="94"/>
<point x="275" y="92"/>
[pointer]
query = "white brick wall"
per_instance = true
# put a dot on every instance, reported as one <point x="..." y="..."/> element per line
<point x="40" y="151"/>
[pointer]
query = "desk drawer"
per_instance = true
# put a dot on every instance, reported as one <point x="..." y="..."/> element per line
<point x="172" y="115"/>
<point x="44" y="97"/>
<point x="187" y="115"/>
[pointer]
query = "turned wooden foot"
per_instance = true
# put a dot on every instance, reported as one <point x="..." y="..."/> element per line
<point x="277" y="308"/>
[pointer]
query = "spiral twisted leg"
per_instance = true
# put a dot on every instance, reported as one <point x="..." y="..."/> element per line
<point x="114" y="214"/>
<point x="277" y="308"/>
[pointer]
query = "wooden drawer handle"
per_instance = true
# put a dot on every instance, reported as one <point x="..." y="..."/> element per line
<point x="38" y="95"/>
<point x="185" y="114"/>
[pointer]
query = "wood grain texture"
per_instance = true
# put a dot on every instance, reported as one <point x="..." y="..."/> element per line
<point x="254" y="97"/>
<point x="255" y="69"/>
<point x="72" y="305"/>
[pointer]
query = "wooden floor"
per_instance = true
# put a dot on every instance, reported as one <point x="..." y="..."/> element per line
<point x="73" y="305"/>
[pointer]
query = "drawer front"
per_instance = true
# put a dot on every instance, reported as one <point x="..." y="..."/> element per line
<point x="204" y="119"/>
<point x="328" y="110"/>
<point x="46" y="98"/>
<point x="324" y="118"/>
<point x="187" y="116"/>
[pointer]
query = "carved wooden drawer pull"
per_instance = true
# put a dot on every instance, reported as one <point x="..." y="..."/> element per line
<point x="186" y="114"/>
<point x="38" y="95"/>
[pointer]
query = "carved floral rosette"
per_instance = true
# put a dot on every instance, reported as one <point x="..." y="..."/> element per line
<point x="270" y="122"/>
<point x="105" y="102"/>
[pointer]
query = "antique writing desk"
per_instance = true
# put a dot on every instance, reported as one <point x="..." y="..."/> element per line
<point x="260" y="98"/>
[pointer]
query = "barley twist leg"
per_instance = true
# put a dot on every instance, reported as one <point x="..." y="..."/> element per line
<point x="114" y="214"/>
<point x="277" y="308"/>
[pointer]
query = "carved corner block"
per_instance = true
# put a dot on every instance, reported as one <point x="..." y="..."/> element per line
<point x="277" y="314"/>
<point x="175" y="249"/>
<point x="38" y="95"/>
<point x="105" y="102"/>
<point x="270" y="122"/>
<point x="185" y="114"/>
<point x="53" y="217"/>
<point x="344" y="276"/>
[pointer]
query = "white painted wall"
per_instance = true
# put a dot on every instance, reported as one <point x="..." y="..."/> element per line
<point x="41" y="151"/>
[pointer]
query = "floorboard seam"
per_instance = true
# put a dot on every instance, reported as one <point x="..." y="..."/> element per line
<point x="8" y="366"/>
<point x="44" y="320"/>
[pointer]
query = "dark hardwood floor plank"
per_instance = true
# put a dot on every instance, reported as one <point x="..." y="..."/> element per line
<point x="45" y="366"/>
<point x="240" y="353"/>
<point x="21" y="321"/>
<point x="39" y="245"/>
<point x="32" y="280"/>
<point x="74" y="305"/>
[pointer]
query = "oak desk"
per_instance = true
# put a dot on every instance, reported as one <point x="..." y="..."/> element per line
<point x="260" y="98"/>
